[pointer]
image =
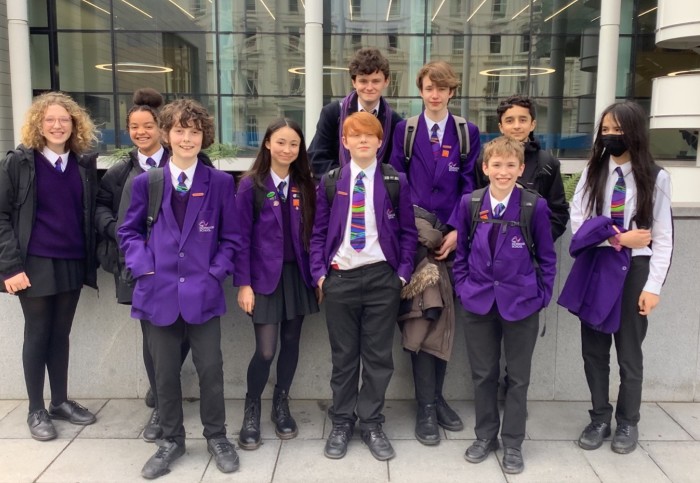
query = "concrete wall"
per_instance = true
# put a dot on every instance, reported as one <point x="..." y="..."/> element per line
<point x="6" y="134"/>
<point x="106" y="344"/>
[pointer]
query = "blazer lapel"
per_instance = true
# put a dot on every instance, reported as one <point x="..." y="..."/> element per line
<point x="198" y="192"/>
<point x="341" y="203"/>
<point x="276" y="202"/>
<point x="294" y="205"/>
<point x="166" y="205"/>
<point x="448" y="139"/>
<point x="379" y="197"/>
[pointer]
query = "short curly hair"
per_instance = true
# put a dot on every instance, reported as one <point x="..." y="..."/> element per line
<point x="368" y="61"/>
<point x="84" y="132"/>
<point x="188" y="113"/>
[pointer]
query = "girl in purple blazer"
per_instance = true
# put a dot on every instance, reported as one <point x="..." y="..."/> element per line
<point x="276" y="205"/>
<point x="622" y="183"/>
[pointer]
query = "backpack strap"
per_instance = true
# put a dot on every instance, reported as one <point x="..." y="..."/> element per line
<point x="390" y="177"/>
<point x="408" y="138"/>
<point x="329" y="183"/>
<point x="474" y="207"/>
<point x="463" y="138"/>
<point x="259" y="198"/>
<point x="155" y="197"/>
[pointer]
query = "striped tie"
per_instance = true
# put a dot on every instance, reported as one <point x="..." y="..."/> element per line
<point x="58" y="166"/>
<point x="151" y="162"/>
<point x="280" y="191"/>
<point x="357" y="221"/>
<point x="493" y="234"/>
<point x="181" y="186"/>
<point x="617" y="204"/>
<point x="435" y="141"/>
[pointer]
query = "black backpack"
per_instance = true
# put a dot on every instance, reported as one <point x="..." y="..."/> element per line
<point x="409" y="138"/>
<point x="389" y="175"/>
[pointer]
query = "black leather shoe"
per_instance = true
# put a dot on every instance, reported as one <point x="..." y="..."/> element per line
<point x="337" y="443"/>
<point x="40" y="425"/>
<point x="159" y="464"/>
<point x="285" y="426"/>
<point x="72" y="412"/>
<point x="378" y="443"/>
<point x="513" y="461"/>
<point x="427" y="429"/>
<point x="152" y="431"/>
<point x="249" y="437"/>
<point x="447" y="417"/>
<point x="224" y="454"/>
<point x="150" y="399"/>
<point x="593" y="435"/>
<point x="625" y="439"/>
<point x="480" y="450"/>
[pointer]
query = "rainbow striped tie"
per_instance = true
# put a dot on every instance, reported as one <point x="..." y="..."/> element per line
<point x="617" y="204"/>
<point x="357" y="221"/>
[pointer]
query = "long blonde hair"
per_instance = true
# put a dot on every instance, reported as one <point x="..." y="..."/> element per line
<point x="83" y="135"/>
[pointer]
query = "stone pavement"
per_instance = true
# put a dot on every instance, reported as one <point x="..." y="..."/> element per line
<point x="112" y="449"/>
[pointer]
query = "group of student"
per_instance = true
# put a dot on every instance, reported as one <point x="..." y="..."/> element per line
<point x="395" y="227"/>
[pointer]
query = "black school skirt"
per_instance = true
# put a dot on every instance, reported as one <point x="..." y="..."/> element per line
<point x="50" y="276"/>
<point x="291" y="299"/>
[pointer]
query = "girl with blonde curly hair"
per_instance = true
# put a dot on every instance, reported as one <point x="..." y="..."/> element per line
<point x="47" y="246"/>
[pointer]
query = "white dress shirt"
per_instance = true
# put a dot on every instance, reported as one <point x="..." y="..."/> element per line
<point x="175" y="174"/>
<point x="441" y="126"/>
<point x="53" y="157"/>
<point x="276" y="179"/>
<point x="157" y="156"/>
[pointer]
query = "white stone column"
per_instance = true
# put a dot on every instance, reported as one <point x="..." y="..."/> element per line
<point x="313" y="62"/>
<point x="20" y="72"/>
<point x="607" y="55"/>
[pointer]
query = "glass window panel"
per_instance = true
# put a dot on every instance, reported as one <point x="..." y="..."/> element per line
<point x="376" y="16"/>
<point x="170" y="62"/>
<point x="681" y="144"/>
<point x="37" y="12"/>
<point x="79" y="54"/>
<point x="265" y="16"/>
<point x="259" y="64"/>
<point x="646" y="16"/>
<point x="170" y="15"/>
<point x="101" y="110"/>
<point x="651" y="61"/>
<point x="82" y="15"/>
<point x="40" y="63"/>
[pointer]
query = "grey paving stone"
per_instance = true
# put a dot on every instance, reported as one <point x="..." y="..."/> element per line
<point x="465" y="409"/>
<point x="637" y="466"/>
<point x="256" y="466"/>
<point x="14" y="425"/>
<point x="657" y="425"/>
<point x="678" y="460"/>
<point x="685" y="414"/>
<point x="7" y="407"/>
<point x="119" y="419"/>
<point x="555" y="420"/>
<point x="442" y="463"/>
<point x="303" y="461"/>
<point x="16" y="466"/>
<point x="120" y="460"/>
<point x="553" y="462"/>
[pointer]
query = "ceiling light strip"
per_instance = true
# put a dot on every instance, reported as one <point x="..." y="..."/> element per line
<point x="137" y="9"/>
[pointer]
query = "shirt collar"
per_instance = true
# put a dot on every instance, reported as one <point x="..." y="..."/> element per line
<point x="276" y="180"/>
<point x="369" y="170"/>
<point x="504" y="201"/>
<point x="441" y="123"/>
<point x="360" y="108"/>
<point x="157" y="156"/>
<point x="626" y="167"/>
<point x="53" y="156"/>
<point x="175" y="171"/>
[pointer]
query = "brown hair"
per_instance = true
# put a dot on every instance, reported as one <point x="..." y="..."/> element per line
<point x="83" y="135"/>
<point x="504" y="146"/>
<point x="440" y="72"/>
<point x="362" y="123"/>
<point x="368" y="61"/>
<point x="188" y="113"/>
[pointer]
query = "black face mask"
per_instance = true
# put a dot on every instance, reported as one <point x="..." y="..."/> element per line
<point x="614" y="144"/>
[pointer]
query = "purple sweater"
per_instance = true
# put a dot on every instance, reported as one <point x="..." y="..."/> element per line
<point x="58" y="222"/>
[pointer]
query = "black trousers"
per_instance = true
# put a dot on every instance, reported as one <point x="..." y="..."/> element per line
<point x="484" y="334"/>
<point x="47" y="324"/>
<point x="362" y="306"/>
<point x="428" y="376"/>
<point x="595" y="348"/>
<point x="165" y="344"/>
<point x="148" y="360"/>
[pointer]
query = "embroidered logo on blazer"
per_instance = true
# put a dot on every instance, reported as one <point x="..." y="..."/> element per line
<point x="453" y="167"/>
<point x="517" y="242"/>
<point x="390" y="214"/>
<point x="204" y="227"/>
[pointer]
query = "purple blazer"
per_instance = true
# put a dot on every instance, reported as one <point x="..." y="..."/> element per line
<point x="437" y="187"/>
<point x="398" y="236"/>
<point x="508" y="278"/>
<point x="189" y="267"/>
<point x="260" y="244"/>
<point x="593" y="289"/>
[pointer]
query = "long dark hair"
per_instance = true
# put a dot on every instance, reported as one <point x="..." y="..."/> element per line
<point x="633" y="122"/>
<point x="299" y="172"/>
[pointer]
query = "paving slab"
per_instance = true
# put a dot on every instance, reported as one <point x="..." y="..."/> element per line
<point x="553" y="462"/>
<point x="17" y="466"/>
<point x="7" y="406"/>
<point x="637" y="466"/>
<point x="678" y="460"/>
<point x="685" y="414"/>
<point x="445" y="462"/>
<point x="119" y="419"/>
<point x="303" y="461"/>
<point x="14" y="424"/>
<point x="465" y="409"/>
<point x="657" y="425"/>
<point x="256" y="466"/>
<point x="121" y="460"/>
<point x="556" y="421"/>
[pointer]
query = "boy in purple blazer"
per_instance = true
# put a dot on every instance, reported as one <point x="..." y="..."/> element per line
<point x="179" y="267"/>
<point x="361" y="255"/>
<point x="502" y="294"/>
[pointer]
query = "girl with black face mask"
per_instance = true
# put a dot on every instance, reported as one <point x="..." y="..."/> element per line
<point x="627" y="197"/>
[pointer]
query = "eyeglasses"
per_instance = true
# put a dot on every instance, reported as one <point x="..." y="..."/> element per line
<point x="63" y="121"/>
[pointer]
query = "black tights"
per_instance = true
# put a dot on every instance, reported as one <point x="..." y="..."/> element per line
<point x="47" y="324"/>
<point x="428" y="376"/>
<point x="265" y="348"/>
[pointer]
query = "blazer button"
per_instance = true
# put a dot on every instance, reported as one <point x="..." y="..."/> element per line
<point x="624" y="269"/>
<point x="182" y="279"/>
<point x="496" y="283"/>
<point x="181" y="255"/>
